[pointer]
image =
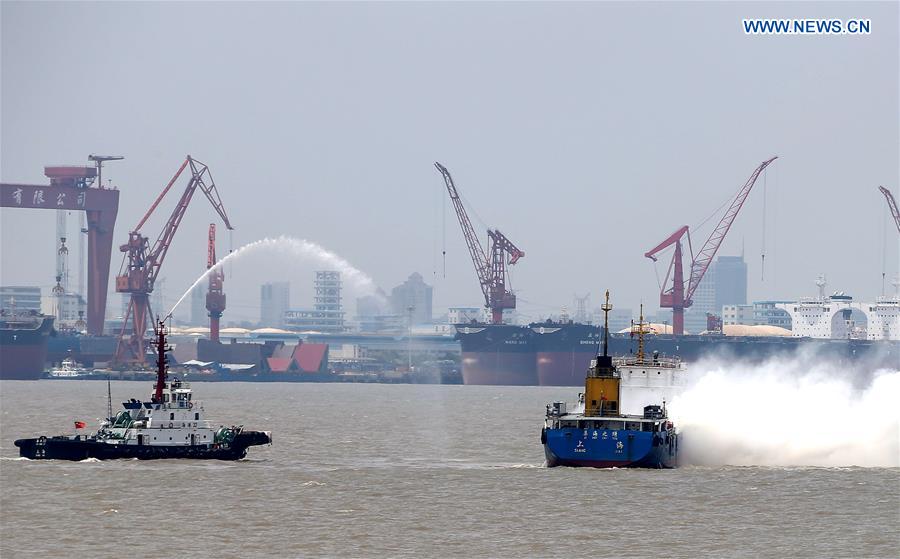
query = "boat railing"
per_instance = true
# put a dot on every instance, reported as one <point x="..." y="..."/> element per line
<point x="166" y="424"/>
<point x="659" y="361"/>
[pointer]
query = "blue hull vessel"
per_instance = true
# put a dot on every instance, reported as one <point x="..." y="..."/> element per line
<point x="608" y="448"/>
<point x="599" y="432"/>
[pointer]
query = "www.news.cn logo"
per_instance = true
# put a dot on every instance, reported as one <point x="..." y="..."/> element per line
<point x="807" y="26"/>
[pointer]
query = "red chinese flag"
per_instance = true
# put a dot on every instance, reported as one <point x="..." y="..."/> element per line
<point x="80" y="424"/>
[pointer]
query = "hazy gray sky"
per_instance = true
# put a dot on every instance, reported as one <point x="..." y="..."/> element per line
<point x="586" y="132"/>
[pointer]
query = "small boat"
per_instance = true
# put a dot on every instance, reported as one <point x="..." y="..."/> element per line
<point x="171" y="424"/>
<point x="597" y="431"/>
<point x="68" y="369"/>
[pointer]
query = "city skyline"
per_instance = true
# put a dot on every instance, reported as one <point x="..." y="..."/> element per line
<point x="584" y="156"/>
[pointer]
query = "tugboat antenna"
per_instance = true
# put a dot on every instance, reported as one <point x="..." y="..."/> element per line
<point x="160" y="361"/>
<point x="108" y="399"/>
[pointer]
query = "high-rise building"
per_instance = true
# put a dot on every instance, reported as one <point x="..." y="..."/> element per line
<point x="275" y="299"/>
<point x="725" y="283"/>
<point x="158" y="298"/>
<point x="23" y="298"/>
<point x="414" y="293"/>
<point x="730" y="282"/>
<point x="327" y="314"/>
<point x="199" y="316"/>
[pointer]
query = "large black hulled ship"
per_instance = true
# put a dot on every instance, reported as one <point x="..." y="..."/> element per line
<point x="23" y="344"/>
<point x="171" y="424"/>
<point x="557" y="354"/>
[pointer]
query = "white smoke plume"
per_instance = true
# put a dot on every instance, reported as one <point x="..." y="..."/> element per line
<point x="798" y="412"/>
<point x="295" y="248"/>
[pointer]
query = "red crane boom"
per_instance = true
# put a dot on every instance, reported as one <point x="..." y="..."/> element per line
<point x="215" y="297"/>
<point x="892" y="204"/>
<point x="141" y="263"/>
<point x="680" y="296"/>
<point x="492" y="274"/>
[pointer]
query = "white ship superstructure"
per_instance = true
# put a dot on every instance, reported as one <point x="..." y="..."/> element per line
<point x="832" y="318"/>
<point x="645" y="381"/>
<point x="648" y="380"/>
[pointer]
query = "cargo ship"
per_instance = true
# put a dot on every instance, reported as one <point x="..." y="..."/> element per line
<point x="602" y="430"/>
<point x="23" y="344"/>
<point x="557" y="354"/>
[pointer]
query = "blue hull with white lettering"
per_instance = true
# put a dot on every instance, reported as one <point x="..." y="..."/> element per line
<point x="604" y="448"/>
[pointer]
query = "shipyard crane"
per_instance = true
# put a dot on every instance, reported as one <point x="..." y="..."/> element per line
<point x="141" y="263"/>
<point x="492" y="274"/>
<point x="215" y="297"/>
<point x="892" y="204"/>
<point x="679" y="295"/>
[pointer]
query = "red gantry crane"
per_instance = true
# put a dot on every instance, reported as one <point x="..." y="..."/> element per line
<point x="141" y="264"/>
<point x="215" y="297"/>
<point x="680" y="296"/>
<point x="492" y="274"/>
<point x="892" y="204"/>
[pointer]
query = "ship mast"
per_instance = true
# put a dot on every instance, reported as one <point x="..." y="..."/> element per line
<point x="640" y="354"/>
<point x="161" y="367"/>
<point x="601" y="386"/>
<point x="606" y="307"/>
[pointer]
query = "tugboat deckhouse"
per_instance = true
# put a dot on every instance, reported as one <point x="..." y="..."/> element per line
<point x="170" y="425"/>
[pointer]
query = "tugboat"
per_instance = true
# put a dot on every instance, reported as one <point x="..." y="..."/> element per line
<point x="170" y="425"/>
<point x="597" y="433"/>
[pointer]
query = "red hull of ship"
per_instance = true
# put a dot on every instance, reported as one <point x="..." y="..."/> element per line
<point x="499" y="368"/>
<point x="562" y="368"/>
<point x="22" y="362"/>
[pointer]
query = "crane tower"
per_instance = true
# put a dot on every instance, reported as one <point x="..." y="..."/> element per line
<point x="680" y="295"/>
<point x="492" y="274"/>
<point x="141" y="263"/>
